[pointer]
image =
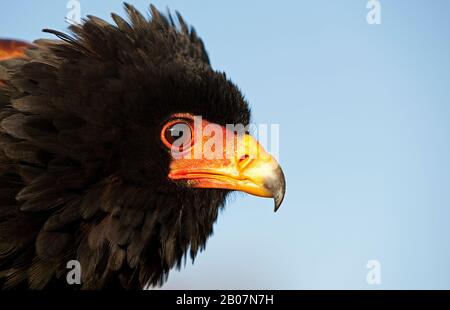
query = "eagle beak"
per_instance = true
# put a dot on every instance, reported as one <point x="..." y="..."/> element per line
<point x="246" y="167"/>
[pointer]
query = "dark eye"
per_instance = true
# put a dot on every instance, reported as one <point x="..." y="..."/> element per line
<point x="177" y="133"/>
<point x="174" y="132"/>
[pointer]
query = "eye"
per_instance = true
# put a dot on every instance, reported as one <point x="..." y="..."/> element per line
<point x="177" y="134"/>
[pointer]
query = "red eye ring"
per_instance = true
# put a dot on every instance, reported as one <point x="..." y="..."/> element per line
<point x="176" y="129"/>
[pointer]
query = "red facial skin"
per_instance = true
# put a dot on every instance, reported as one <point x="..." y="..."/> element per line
<point x="219" y="158"/>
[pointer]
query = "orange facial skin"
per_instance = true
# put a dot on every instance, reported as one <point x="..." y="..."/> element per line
<point x="219" y="158"/>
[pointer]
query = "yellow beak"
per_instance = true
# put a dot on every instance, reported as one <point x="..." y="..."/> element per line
<point x="247" y="168"/>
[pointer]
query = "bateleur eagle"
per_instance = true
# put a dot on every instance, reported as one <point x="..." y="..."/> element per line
<point x="87" y="169"/>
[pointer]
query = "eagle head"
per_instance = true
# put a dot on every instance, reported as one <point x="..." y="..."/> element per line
<point x="119" y="145"/>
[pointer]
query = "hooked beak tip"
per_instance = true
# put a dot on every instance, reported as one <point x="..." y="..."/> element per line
<point x="277" y="186"/>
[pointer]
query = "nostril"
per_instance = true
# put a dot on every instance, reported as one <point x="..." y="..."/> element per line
<point x="244" y="161"/>
<point x="243" y="158"/>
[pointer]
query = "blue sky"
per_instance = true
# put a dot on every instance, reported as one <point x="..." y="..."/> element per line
<point x="364" y="114"/>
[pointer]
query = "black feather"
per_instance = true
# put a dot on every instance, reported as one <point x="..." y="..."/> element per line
<point x="83" y="174"/>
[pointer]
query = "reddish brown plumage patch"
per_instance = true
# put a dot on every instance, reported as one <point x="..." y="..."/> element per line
<point x="12" y="49"/>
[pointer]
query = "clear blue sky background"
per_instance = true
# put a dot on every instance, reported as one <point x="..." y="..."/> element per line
<point x="364" y="114"/>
